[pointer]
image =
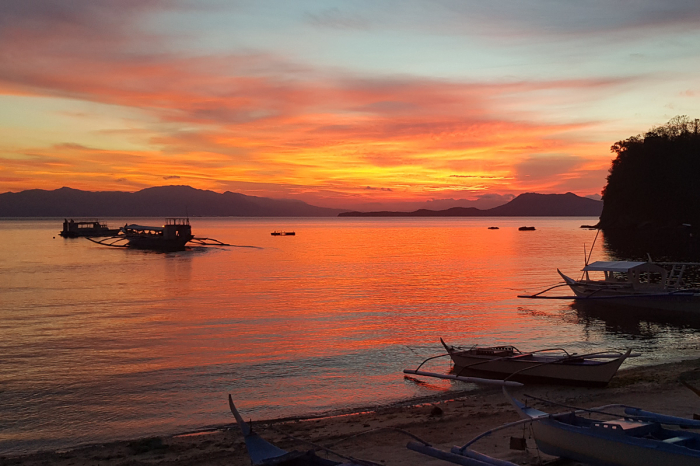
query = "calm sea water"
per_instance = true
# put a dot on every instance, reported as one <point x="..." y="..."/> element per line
<point x="100" y="344"/>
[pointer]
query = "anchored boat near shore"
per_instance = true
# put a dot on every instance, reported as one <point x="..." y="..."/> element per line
<point x="173" y="236"/>
<point x="85" y="228"/>
<point x="657" y="285"/>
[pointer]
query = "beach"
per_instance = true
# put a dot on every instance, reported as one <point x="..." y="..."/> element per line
<point x="379" y="434"/>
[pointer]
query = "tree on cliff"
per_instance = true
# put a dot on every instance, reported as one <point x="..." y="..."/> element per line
<point x="655" y="179"/>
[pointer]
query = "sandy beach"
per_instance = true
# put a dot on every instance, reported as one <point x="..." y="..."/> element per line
<point x="372" y="435"/>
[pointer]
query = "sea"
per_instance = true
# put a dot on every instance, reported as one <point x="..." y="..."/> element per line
<point x="99" y="344"/>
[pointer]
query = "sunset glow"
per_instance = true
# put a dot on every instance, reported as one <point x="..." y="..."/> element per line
<point x="338" y="104"/>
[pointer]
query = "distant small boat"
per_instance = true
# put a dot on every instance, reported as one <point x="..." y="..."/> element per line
<point x="526" y="228"/>
<point x="493" y="228"/>
<point x="283" y="233"/>
<point x="73" y="229"/>
<point x="637" y="438"/>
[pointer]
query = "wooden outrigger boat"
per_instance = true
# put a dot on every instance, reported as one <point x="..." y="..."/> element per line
<point x="173" y="236"/>
<point x="262" y="452"/>
<point x="553" y="365"/>
<point x="657" y="285"/>
<point x="73" y="229"/>
<point x="637" y="438"/>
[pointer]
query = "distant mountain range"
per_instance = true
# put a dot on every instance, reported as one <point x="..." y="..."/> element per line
<point x="525" y="205"/>
<point x="165" y="201"/>
<point x="181" y="201"/>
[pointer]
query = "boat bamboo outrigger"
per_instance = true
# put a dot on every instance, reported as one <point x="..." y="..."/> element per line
<point x="506" y="364"/>
<point x="262" y="452"/>
<point x="656" y="285"/>
<point x="635" y="438"/>
<point x="173" y="236"/>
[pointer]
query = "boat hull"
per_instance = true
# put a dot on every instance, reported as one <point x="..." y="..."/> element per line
<point x="624" y="295"/>
<point x="587" y="446"/>
<point x="621" y="442"/>
<point x="158" y="243"/>
<point x="589" y="373"/>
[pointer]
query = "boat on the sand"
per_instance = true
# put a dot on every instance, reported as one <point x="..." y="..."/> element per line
<point x="552" y="365"/>
<point x="635" y="438"/>
<point x="262" y="452"/>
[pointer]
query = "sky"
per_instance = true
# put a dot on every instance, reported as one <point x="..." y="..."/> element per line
<point x="345" y="104"/>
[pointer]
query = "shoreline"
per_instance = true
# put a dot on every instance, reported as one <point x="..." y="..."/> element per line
<point x="443" y="420"/>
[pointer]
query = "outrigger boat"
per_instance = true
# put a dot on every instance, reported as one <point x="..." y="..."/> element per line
<point x="657" y="285"/>
<point x="552" y="365"/>
<point x="73" y="229"/>
<point x="262" y="452"/>
<point x="173" y="236"/>
<point x="636" y="438"/>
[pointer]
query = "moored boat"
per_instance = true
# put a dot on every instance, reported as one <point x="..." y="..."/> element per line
<point x="94" y="228"/>
<point x="283" y="233"/>
<point x="553" y="365"/>
<point x="636" y="438"/>
<point x="640" y="284"/>
<point x="652" y="285"/>
<point x="173" y="236"/>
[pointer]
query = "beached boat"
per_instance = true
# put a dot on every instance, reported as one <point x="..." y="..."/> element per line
<point x="73" y="229"/>
<point x="262" y="452"/>
<point x="553" y="365"/>
<point x="637" y="438"/>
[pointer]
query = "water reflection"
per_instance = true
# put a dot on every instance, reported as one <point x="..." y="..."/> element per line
<point x="630" y="320"/>
<point x="663" y="244"/>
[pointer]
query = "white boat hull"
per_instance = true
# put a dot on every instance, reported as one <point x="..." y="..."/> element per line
<point x="521" y="369"/>
<point x="585" y="445"/>
<point x="624" y="295"/>
<point x="622" y="442"/>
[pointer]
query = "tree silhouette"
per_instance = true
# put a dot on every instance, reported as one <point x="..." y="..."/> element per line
<point x="655" y="179"/>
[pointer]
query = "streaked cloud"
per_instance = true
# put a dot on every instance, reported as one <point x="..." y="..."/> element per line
<point x="415" y="101"/>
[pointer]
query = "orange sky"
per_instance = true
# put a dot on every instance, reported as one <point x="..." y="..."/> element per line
<point x="335" y="104"/>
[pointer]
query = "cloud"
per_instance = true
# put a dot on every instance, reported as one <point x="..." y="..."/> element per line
<point x="337" y="19"/>
<point x="171" y="177"/>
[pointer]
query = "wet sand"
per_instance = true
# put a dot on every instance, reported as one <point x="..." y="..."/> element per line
<point x="668" y="388"/>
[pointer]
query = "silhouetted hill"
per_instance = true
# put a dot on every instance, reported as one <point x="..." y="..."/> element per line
<point x="653" y="181"/>
<point x="525" y="205"/>
<point x="165" y="201"/>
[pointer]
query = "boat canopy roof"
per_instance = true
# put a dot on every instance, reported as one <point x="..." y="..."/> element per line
<point x="611" y="266"/>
